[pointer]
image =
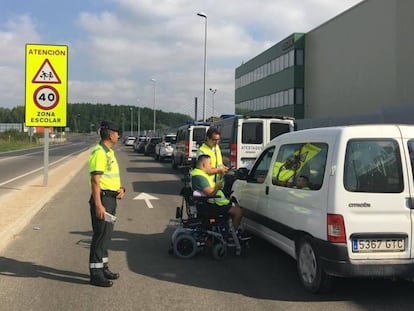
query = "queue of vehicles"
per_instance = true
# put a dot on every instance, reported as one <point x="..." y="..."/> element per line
<point x="354" y="218"/>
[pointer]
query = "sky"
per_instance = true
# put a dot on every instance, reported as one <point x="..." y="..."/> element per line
<point x="122" y="52"/>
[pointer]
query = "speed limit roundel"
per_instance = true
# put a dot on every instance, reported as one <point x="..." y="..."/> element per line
<point x="46" y="97"/>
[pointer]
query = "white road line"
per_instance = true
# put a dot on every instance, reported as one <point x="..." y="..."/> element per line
<point x="34" y="171"/>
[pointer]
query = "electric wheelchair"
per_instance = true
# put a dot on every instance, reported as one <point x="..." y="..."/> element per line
<point x="198" y="228"/>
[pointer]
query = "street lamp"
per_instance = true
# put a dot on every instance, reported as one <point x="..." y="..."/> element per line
<point x="132" y="120"/>
<point x="139" y="119"/>
<point x="205" y="58"/>
<point x="154" y="82"/>
<point x="123" y="123"/>
<point x="213" y="92"/>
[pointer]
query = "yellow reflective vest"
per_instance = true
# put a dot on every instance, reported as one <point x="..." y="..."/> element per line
<point x="221" y="199"/>
<point x="215" y="157"/>
<point x="103" y="161"/>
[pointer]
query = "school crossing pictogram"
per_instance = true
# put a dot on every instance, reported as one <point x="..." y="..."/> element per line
<point x="46" y="74"/>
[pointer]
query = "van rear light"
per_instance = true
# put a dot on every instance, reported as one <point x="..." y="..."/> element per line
<point x="187" y="149"/>
<point x="233" y="155"/>
<point x="336" y="228"/>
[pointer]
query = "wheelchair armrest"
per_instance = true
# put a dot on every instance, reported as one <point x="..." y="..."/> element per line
<point x="197" y="199"/>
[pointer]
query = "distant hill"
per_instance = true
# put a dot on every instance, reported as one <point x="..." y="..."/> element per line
<point x="85" y="117"/>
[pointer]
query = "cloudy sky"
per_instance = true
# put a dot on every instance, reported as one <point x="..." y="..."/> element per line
<point x="117" y="46"/>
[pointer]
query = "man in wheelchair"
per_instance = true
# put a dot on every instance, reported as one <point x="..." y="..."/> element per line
<point x="218" y="204"/>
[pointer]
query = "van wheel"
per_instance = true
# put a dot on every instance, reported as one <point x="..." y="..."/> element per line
<point x="311" y="274"/>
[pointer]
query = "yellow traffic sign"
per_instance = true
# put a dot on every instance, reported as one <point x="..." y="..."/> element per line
<point x="46" y="85"/>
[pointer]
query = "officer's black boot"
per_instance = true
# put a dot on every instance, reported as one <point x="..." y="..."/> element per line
<point x="98" y="278"/>
<point x="109" y="274"/>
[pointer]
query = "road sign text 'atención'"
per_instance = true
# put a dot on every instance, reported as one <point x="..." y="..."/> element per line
<point x="56" y="52"/>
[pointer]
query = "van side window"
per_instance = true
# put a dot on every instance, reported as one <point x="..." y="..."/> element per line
<point x="261" y="167"/>
<point x="300" y="166"/>
<point x="199" y="135"/>
<point x="252" y="133"/>
<point x="373" y="165"/>
<point x="411" y="151"/>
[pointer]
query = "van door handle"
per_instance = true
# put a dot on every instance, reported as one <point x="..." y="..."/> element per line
<point x="267" y="190"/>
<point x="410" y="203"/>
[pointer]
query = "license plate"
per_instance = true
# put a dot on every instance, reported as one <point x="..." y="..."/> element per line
<point x="378" y="245"/>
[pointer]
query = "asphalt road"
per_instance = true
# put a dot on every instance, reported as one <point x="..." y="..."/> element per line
<point x="46" y="265"/>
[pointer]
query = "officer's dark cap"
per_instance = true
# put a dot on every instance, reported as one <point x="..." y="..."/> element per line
<point x="108" y="125"/>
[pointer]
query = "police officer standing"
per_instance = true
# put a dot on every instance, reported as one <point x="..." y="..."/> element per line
<point x="106" y="189"/>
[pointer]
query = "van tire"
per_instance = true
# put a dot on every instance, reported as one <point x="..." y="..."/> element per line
<point x="310" y="271"/>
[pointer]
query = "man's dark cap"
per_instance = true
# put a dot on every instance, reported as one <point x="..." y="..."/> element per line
<point x="108" y="125"/>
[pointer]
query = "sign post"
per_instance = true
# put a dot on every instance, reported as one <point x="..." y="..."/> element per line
<point x="46" y="90"/>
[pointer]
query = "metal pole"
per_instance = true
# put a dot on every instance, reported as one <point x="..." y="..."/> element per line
<point x="213" y="92"/>
<point x="45" y="156"/>
<point x="205" y="63"/>
<point x="139" y="121"/>
<point x="154" y="81"/>
<point x="139" y="117"/>
<point x="132" y="120"/>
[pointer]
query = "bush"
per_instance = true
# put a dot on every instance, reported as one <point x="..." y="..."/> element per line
<point x="14" y="135"/>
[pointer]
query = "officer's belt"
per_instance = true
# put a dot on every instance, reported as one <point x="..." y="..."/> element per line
<point x="109" y="193"/>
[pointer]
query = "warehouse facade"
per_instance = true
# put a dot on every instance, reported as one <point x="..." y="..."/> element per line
<point x="357" y="68"/>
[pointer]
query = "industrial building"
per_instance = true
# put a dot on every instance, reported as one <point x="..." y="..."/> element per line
<point x="355" y="68"/>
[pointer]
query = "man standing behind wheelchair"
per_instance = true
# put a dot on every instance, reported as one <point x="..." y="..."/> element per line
<point x="204" y="185"/>
<point x="211" y="148"/>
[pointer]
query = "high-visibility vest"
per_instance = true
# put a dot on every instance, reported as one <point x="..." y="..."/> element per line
<point x="221" y="198"/>
<point x="281" y="173"/>
<point x="215" y="158"/>
<point x="103" y="160"/>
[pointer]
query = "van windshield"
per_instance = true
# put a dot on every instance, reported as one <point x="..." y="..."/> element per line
<point x="373" y="166"/>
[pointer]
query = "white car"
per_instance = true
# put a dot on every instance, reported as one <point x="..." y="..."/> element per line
<point x="339" y="200"/>
<point x="129" y="141"/>
<point x="165" y="148"/>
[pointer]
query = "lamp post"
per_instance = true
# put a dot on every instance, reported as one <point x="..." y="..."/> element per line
<point x="153" y="106"/>
<point x="213" y="92"/>
<point x="205" y="59"/>
<point x="123" y="123"/>
<point x="139" y="119"/>
<point x="132" y="120"/>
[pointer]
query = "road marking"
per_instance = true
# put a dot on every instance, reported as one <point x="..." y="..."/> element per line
<point x="34" y="171"/>
<point x="146" y="197"/>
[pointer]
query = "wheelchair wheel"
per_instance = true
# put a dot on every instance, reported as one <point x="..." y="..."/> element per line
<point x="219" y="251"/>
<point x="185" y="246"/>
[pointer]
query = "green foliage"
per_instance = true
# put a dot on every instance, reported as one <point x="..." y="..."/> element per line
<point x="86" y="117"/>
<point x="13" y="135"/>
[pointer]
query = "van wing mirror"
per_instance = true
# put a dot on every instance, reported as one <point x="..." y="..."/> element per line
<point x="242" y="173"/>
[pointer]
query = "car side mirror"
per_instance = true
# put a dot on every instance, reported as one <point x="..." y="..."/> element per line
<point x="242" y="173"/>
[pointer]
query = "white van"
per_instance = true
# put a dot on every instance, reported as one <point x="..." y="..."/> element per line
<point x="243" y="137"/>
<point x="354" y="218"/>
<point x="189" y="138"/>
